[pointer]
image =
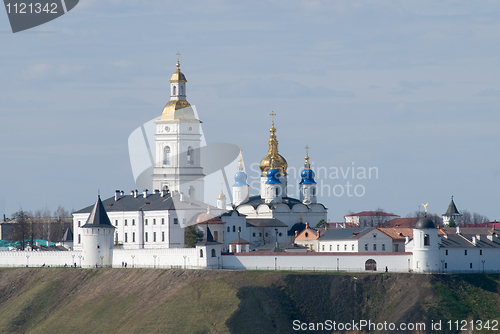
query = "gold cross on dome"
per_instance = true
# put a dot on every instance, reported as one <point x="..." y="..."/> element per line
<point x="272" y="116"/>
<point x="178" y="54"/>
<point x="307" y="150"/>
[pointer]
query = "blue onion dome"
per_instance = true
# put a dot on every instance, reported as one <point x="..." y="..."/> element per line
<point x="273" y="176"/>
<point x="307" y="176"/>
<point x="240" y="179"/>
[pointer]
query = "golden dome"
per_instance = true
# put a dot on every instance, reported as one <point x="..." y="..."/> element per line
<point x="279" y="162"/>
<point x="221" y="196"/>
<point x="178" y="76"/>
<point x="178" y="110"/>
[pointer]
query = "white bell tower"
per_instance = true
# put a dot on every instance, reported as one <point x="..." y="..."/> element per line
<point x="178" y="136"/>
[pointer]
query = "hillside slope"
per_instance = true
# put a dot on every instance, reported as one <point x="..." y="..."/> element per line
<point x="196" y="301"/>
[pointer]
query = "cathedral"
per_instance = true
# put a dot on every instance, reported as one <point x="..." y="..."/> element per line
<point x="156" y="219"/>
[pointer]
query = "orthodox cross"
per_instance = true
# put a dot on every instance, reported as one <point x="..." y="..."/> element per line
<point x="178" y="54"/>
<point x="272" y="116"/>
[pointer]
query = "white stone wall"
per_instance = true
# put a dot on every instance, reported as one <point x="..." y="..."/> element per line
<point x="318" y="261"/>
<point x="38" y="259"/>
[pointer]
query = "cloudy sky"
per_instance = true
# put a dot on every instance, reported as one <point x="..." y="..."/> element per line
<point x="411" y="89"/>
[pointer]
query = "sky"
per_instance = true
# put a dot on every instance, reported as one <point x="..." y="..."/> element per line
<point x="406" y="89"/>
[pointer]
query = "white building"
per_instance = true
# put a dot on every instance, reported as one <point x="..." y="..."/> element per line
<point x="369" y="218"/>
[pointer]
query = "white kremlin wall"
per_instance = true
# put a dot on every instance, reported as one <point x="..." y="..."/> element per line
<point x="396" y="262"/>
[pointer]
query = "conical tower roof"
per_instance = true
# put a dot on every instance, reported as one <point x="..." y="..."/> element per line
<point x="98" y="217"/>
<point x="452" y="209"/>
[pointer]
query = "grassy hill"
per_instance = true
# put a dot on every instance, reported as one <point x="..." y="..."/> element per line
<point x="196" y="301"/>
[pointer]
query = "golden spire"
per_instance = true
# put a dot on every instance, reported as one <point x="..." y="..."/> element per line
<point x="279" y="161"/>
<point x="240" y="163"/>
<point x="221" y="195"/>
<point x="307" y="164"/>
<point x="273" y="142"/>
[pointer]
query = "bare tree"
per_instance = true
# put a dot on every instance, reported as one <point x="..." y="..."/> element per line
<point x="22" y="231"/>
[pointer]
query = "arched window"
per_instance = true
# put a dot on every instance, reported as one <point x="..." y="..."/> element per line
<point x="181" y="90"/>
<point x="190" y="157"/>
<point x="427" y="240"/>
<point x="228" y="229"/>
<point x="166" y="155"/>
<point x="191" y="191"/>
<point x="173" y="90"/>
<point x="201" y="252"/>
<point x="213" y="253"/>
<point x="313" y="190"/>
<point x="216" y="236"/>
<point x="276" y="191"/>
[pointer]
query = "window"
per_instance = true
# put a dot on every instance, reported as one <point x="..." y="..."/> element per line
<point x="338" y="247"/>
<point x="216" y="235"/>
<point x="470" y="265"/>
<point x="181" y="91"/>
<point x="154" y="236"/>
<point x="234" y="228"/>
<point x="306" y="234"/>
<point x="374" y="235"/>
<point x="480" y="252"/>
<point x="276" y="191"/>
<point x="366" y="247"/>
<point x="126" y="237"/>
<point x="446" y="252"/>
<point x="352" y="247"/>
<point x="465" y="252"/>
<point x="267" y="234"/>
<point x="162" y="236"/>
<point x="201" y="252"/>
<point x="79" y="238"/>
<point x="229" y="230"/>
<point x="190" y="158"/>
<point x="331" y="248"/>
<point x="125" y="222"/>
<point x="445" y="265"/>
<point x="146" y="221"/>
<point x="176" y="220"/>
<point x="154" y="221"/>
<point x="166" y="155"/>
<point x="345" y="247"/>
<point x="133" y="236"/>
<point x="313" y="190"/>
<point x="323" y="248"/>
<point x="213" y="253"/>
<point x="116" y="222"/>
<point x="163" y="221"/>
<point x="79" y="223"/>
<point x="133" y="221"/>
<point x="191" y="191"/>
<point x="383" y="247"/>
<point x="374" y="247"/>
<point x="427" y="241"/>
<point x="396" y="248"/>
<point x="173" y="90"/>
<point x="146" y="236"/>
<point x="260" y="235"/>
<point x="253" y="234"/>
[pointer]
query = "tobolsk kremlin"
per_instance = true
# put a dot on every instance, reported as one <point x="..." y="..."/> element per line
<point x="268" y="230"/>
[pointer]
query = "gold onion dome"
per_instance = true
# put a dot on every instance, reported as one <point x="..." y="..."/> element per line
<point x="178" y="76"/>
<point x="176" y="109"/>
<point x="278" y="161"/>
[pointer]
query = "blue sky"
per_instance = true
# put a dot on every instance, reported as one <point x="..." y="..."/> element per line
<point x="411" y="88"/>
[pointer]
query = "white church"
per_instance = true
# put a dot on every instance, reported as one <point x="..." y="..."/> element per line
<point x="264" y="231"/>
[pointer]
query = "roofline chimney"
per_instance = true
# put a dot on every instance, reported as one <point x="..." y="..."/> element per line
<point x="145" y="193"/>
<point x="136" y="193"/>
<point x="117" y="195"/>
